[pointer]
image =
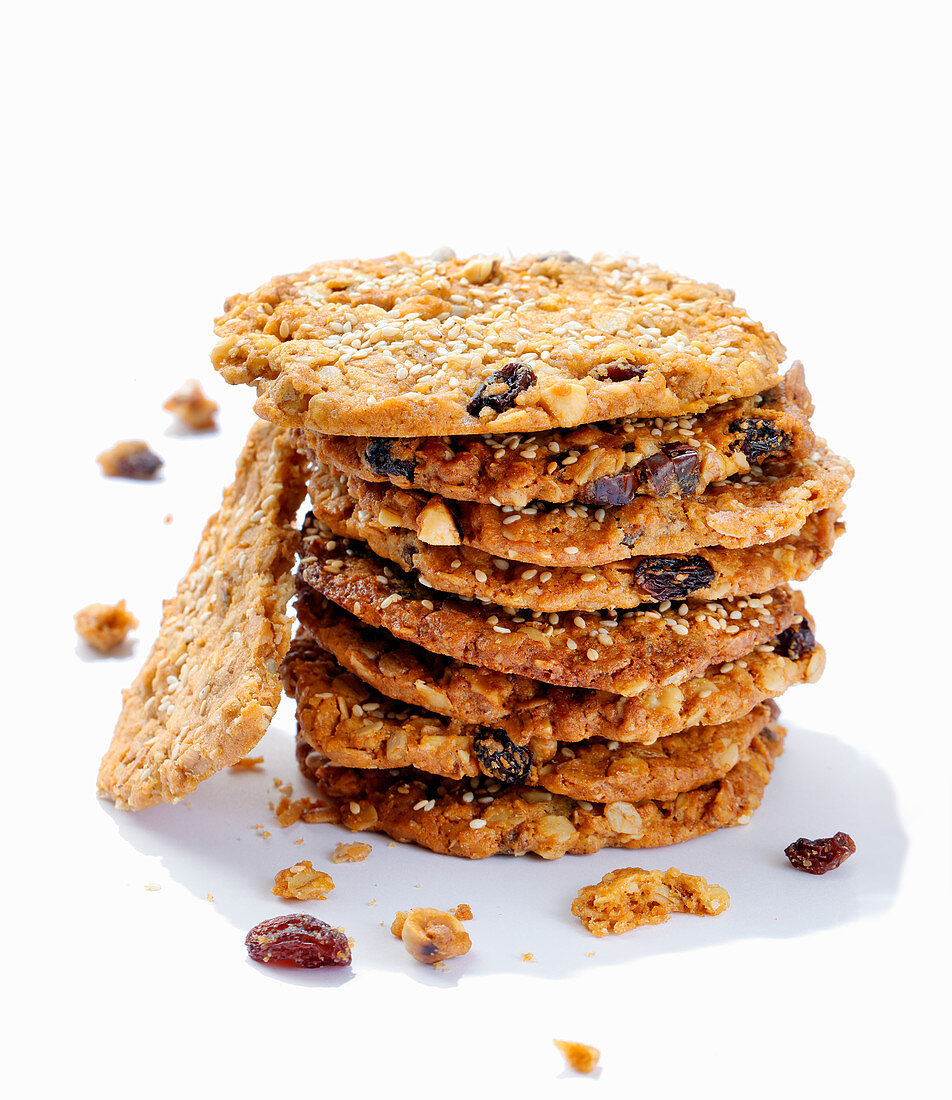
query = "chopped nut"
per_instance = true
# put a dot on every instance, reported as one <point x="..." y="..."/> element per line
<point x="566" y="401"/>
<point x="104" y="625"/>
<point x="351" y="853"/>
<point x="430" y="935"/>
<point x="479" y="270"/>
<point x="579" y="1056"/>
<point x="131" y="458"/>
<point x="302" y="882"/>
<point x="463" y="912"/>
<point x="247" y="764"/>
<point x="631" y="896"/>
<point x="437" y="526"/>
<point x="192" y="407"/>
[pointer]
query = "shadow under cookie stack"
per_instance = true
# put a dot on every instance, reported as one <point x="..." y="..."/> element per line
<point x="556" y="506"/>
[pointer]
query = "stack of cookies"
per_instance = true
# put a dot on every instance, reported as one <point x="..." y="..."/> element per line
<point x="556" y="506"/>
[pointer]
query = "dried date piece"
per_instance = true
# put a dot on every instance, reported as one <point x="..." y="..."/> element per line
<point x="795" y="641"/>
<point x="614" y="491"/>
<point x="760" y="437"/>
<point x="674" y="578"/>
<point x="816" y="857"/>
<point x="130" y="458"/>
<point x="674" y="469"/>
<point x="499" y="757"/>
<point x="623" y="371"/>
<point x="299" y="939"/>
<point x="500" y="390"/>
<point x="379" y="456"/>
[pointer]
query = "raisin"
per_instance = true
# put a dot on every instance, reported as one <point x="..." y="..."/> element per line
<point x="674" y="468"/>
<point x="500" y="390"/>
<point x="623" y="371"/>
<point x="299" y="939"/>
<point x="378" y="454"/>
<point x="795" y="641"/>
<point x="760" y="437"/>
<point x="499" y="757"/>
<point x="674" y="578"/>
<point x="131" y="458"/>
<point x="615" y="490"/>
<point x="816" y="857"/>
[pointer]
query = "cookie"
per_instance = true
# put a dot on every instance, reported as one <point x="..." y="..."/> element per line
<point x="625" y="652"/>
<point x="210" y="686"/>
<point x="354" y="726"/>
<point x="408" y="347"/>
<point x="764" y="506"/>
<point x="606" y="463"/>
<point x="710" y="574"/>
<point x="527" y="710"/>
<point x="475" y="818"/>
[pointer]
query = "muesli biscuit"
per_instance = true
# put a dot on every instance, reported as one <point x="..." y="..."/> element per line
<point x="626" y="652"/>
<point x="711" y="573"/>
<point x="594" y="463"/>
<point x="475" y="818"/>
<point x="404" y="346"/>
<point x="527" y="709"/>
<point x="210" y="686"/>
<point x="768" y="504"/>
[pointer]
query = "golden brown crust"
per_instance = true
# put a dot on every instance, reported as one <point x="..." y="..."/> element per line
<point x="398" y="346"/>
<point x="209" y="687"/>
<point x="474" y="819"/>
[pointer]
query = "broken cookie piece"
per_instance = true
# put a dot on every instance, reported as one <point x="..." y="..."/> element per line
<point x="131" y="459"/>
<point x="351" y="853"/>
<point x="430" y="935"/>
<point x="192" y="407"/>
<point x="630" y="897"/>
<point x="104" y="625"/>
<point x="302" y="882"/>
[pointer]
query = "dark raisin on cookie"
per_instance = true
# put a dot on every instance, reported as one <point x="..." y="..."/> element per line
<point x="759" y="438"/>
<point x="623" y="371"/>
<point x="500" y="390"/>
<point x="673" y="470"/>
<point x="499" y="757"/>
<point x="614" y="490"/>
<point x="674" y="578"/>
<point x="795" y="641"/>
<point x="378" y="454"/>
<point x="816" y="857"/>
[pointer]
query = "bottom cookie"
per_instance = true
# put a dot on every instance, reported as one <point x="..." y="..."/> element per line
<point x="476" y="818"/>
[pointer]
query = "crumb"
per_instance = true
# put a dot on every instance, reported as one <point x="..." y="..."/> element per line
<point x="247" y="764"/>
<point x="192" y="407"/>
<point x="439" y="965"/>
<point x="209" y="897"/>
<point x="430" y="935"/>
<point x="168" y="518"/>
<point x="262" y="832"/>
<point x="351" y="853"/>
<point x="104" y="625"/>
<point x="373" y="901"/>
<point x="130" y="458"/>
<point x="304" y="809"/>
<point x="302" y="882"/>
<point x="590" y="955"/>
<point x="630" y="897"/>
<point x="579" y="1056"/>
<point x="528" y="957"/>
<point x="300" y="840"/>
<point x="276" y="782"/>
<point x="152" y="886"/>
<point x="463" y="912"/>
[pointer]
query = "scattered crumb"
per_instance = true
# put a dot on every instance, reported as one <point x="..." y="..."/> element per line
<point x="104" y="625"/>
<point x="300" y="840"/>
<point x="631" y="896"/>
<point x="302" y="882"/>
<point x="247" y="764"/>
<point x="392" y="844"/>
<point x="192" y="407"/>
<point x="430" y="935"/>
<point x="307" y="810"/>
<point x="373" y="901"/>
<point x="578" y="1056"/>
<point x="351" y="853"/>
<point x="152" y="886"/>
<point x="528" y="957"/>
<point x="463" y="912"/>
<point x="168" y="518"/>
<point x="262" y="832"/>
<point x="209" y="897"/>
<point x="131" y="458"/>
<point x="590" y="955"/>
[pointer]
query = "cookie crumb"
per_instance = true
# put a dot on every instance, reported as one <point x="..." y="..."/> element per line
<point x="247" y="764"/>
<point x="463" y="912"/>
<point x="578" y="1056"/>
<point x="302" y="882"/>
<point x="300" y="840"/>
<point x="209" y="897"/>
<point x="528" y="957"/>
<point x="631" y="896"/>
<point x="351" y="853"/>
<point x="430" y="935"/>
<point x="192" y="407"/>
<point x="168" y="518"/>
<point x="152" y="886"/>
<point x="307" y="810"/>
<point x="130" y="458"/>
<point x="104" y="626"/>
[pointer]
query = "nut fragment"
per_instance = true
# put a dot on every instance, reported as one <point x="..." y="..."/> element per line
<point x="437" y="526"/>
<point x="130" y="458"/>
<point x="479" y="270"/>
<point x="192" y="407"/>
<point x="302" y="882"/>
<point x="566" y="401"/>
<point x="430" y="935"/>
<point x="579" y="1056"/>
<point x="631" y="896"/>
<point x="104" y="625"/>
<point x="351" y="853"/>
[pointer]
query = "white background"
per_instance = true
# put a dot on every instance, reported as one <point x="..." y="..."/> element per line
<point x="161" y="157"/>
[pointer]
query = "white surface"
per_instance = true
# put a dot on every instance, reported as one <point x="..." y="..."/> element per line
<point x="161" y="158"/>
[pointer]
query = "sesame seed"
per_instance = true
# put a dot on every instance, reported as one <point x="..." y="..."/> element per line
<point x="592" y="654"/>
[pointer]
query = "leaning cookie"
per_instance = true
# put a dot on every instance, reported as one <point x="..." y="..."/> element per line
<point x="606" y="463"/>
<point x="404" y="346"/>
<point x="532" y="712"/>
<point x="475" y="818"/>
<point x="764" y="506"/>
<point x="210" y="686"/>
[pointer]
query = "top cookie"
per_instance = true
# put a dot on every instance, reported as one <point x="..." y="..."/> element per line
<point x="409" y="347"/>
